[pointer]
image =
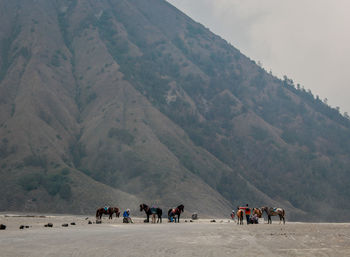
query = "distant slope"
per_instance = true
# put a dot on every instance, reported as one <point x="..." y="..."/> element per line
<point x="123" y="102"/>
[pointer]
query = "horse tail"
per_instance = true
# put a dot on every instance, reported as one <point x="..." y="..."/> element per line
<point x="97" y="212"/>
<point x="284" y="213"/>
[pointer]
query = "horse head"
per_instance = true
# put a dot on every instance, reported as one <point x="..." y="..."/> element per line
<point x="181" y="208"/>
<point x="258" y="212"/>
<point x="144" y="207"/>
<point x="265" y="209"/>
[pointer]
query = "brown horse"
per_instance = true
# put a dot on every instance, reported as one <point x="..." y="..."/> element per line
<point x="274" y="212"/>
<point x="258" y="212"/>
<point x="110" y="211"/>
<point x="240" y="217"/>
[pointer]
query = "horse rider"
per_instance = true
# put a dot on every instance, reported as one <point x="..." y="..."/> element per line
<point x="126" y="217"/>
<point x="106" y="207"/>
<point x="247" y="212"/>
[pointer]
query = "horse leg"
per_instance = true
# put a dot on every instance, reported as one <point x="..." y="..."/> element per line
<point x="147" y="218"/>
<point x="178" y="218"/>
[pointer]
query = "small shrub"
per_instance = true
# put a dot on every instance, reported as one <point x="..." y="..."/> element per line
<point x="55" y="61"/>
<point x="259" y="133"/>
<point x="53" y="183"/>
<point x="30" y="182"/>
<point x="91" y="97"/>
<point x="35" y="161"/>
<point x="65" y="192"/>
<point x="121" y="135"/>
<point x="65" y="171"/>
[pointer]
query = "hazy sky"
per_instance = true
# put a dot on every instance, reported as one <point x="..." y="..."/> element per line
<point x="307" y="40"/>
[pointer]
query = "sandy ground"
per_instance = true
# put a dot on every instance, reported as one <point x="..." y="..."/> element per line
<point x="199" y="238"/>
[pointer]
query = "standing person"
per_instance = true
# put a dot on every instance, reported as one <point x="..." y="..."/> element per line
<point x="154" y="212"/>
<point x="233" y="215"/>
<point x="126" y="217"/>
<point x="247" y="212"/>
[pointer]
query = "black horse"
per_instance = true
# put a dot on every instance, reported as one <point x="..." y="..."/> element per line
<point x="177" y="212"/>
<point x="148" y="211"/>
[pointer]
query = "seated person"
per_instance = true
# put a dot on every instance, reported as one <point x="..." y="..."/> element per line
<point x="254" y="219"/>
<point x="126" y="217"/>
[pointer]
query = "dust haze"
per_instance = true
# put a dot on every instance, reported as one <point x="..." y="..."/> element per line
<point x="306" y="40"/>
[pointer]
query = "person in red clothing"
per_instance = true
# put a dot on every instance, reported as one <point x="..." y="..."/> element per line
<point x="247" y="212"/>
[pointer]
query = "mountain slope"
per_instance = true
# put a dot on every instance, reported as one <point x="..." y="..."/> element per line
<point x="123" y="102"/>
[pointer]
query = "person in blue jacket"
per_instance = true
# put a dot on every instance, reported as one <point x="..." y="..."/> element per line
<point x="126" y="217"/>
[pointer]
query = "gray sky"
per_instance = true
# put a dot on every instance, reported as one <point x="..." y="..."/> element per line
<point x="307" y="40"/>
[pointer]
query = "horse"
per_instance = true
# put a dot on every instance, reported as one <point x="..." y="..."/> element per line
<point x="274" y="212"/>
<point x="144" y="207"/>
<point x="258" y="212"/>
<point x="110" y="211"/>
<point x="239" y="217"/>
<point x="177" y="212"/>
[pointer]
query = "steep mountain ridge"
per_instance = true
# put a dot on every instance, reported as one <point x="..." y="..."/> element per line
<point x="130" y="101"/>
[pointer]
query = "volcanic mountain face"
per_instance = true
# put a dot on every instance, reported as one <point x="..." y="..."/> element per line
<point x="130" y="101"/>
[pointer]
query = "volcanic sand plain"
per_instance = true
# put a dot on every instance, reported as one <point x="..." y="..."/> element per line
<point x="198" y="238"/>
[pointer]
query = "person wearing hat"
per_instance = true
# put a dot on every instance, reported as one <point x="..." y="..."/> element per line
<point x="126" y="217"/>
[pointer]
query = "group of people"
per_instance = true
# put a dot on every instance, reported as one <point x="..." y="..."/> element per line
<point x="126" y="215"/>
<point x="251" y="219"/>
